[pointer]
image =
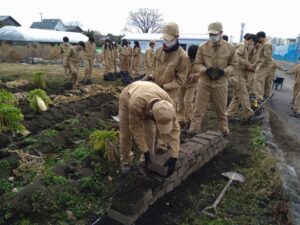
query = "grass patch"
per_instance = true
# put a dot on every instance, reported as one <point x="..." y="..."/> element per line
<point x="248" y="203"/>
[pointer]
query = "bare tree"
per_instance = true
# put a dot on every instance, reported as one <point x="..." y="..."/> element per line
<point x="145" y="21"/>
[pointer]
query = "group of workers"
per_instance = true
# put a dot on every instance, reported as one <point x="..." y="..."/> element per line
<point x="72" y="56"/>
<point x="178" y="86"/>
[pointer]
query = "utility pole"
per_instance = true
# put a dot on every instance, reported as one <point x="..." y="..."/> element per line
<point x="41" y="16"/>
<point x="242" y="31"/>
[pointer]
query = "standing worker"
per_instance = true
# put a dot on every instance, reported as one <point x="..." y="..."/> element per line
<point x="136" y="54"/>
<point x="149" y="58"/>
<point x="108" y="58"/>
<point x="171" y="63"/>
<point x="64" y="49"/>
<point x="264" y="66"/>
<point x="215" y="61"/>
<point x="143" y="108"/>
<point x="238" y="81"/>
<point x="73" y="58"/>
<point x="186" y="93"/>
<point x="171" y="66"/>
<point x="89" y="56"/>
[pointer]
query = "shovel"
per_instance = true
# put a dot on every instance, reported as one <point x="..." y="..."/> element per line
<point x="232" y="176"/>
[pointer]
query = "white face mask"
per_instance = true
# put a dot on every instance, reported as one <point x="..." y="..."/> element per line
<point x="214" y="38"/>
<point x="170" y="44"/>
<point x="250" y="46"/>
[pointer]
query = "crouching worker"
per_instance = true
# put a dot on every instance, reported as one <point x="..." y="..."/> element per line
<point x="144" y="107"/>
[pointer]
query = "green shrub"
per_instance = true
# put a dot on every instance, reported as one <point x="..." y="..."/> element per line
<point x="32" y="98"/>
<point x="7" y="98"/>
<point x="39" y="80"/>
<point x="10" y="119"/>
<point x="106" y="142"/>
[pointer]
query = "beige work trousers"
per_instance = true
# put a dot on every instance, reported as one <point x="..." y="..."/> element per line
<point x="261" y="76"/>
<point x="126" y="135"/>
<point x="206" y="92"/>
<point x="185" y="103"/>
<point x="296" y="106"/>
<point x="250" y="80"/>
<point x="240" y="96"/>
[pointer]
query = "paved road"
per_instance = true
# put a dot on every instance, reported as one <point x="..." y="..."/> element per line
<point x="286" y="132"/>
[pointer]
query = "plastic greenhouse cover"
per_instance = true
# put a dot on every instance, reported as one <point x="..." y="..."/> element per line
<point x="24" y="34"/>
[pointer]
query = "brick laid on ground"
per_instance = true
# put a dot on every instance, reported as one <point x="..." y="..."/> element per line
<point x="135" y="196"/>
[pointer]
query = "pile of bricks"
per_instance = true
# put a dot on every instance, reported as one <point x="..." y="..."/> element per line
<point x="193" y="154"/>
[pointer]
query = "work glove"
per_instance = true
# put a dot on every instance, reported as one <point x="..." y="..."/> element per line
<point x="147" y="158"/>
<point x="208" y="71"/>
<point x="171" y="163"/>
<point x="221" y="73"/>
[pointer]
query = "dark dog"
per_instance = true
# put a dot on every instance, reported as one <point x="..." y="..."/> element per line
<point x="278" y="82"/>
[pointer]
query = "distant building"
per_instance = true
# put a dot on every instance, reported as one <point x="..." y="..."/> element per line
<point x="74" y="29"/>
<point x="49" y="24"/>
<point x="8" y="21"/>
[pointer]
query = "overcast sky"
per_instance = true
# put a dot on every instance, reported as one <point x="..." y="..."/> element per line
<point x="276" y="18"/>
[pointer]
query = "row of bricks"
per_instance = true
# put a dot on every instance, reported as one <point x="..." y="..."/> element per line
<point x="194" y="153"/>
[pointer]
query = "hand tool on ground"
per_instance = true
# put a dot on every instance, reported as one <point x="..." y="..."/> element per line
<point x="116" y="118"/>
<point x="232" y="176"/>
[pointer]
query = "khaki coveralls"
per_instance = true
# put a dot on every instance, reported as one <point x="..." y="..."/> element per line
<point x="73" y="58"/>
<point x="64" y="49"/>
<point x="149" y="60"/>
<point x="222" y="56"/>
<point x="89" y="56"/>
<point x="239" y="86"/>
<point x="135" y="103"/>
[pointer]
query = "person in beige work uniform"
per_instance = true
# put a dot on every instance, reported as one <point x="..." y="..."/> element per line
<point x="296" y="91"/>
<point x="149" y="58"/>
<point x="171" y="63"/>
<point x="143" y="108"/>
<point x="186" y="93"/>
<point x="171" y="66"/>
<point x="89" y="56"/>
<point x="64" y="49"/>
<point x="215" y="61"/>
<point x="238" y="81"/>
<point x="252" y="58"/>
<point x="136" y="58"/>
<point x="264" y="66"/>
<point x="73" y="58"/>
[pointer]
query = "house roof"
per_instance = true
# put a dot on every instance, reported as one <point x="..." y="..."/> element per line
<point x="24" y="34"/>
<point x="46" y="24"/>
<point x="3" y="18"/>
<point x="73" y="28"/>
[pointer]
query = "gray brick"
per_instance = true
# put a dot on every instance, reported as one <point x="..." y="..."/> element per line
<point x="215" y="133"/>
<point x="123" y="219"/>
<point x="157" y="164"/>
<point x="211" y="138"/>
<point x="161" y="192"/>
<point x="144" y="209"/>
<point x="148" y="196"/>
<point x="205" y="143"/>
<point x="177" y="182"/>
<point x="170" y="187"/>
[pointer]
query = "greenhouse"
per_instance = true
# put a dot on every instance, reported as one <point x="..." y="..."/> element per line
<point x="30" y="35"/>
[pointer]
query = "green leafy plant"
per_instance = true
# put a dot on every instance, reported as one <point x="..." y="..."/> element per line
<point x="257" y="142"/>
<point x="39" y="80"/>
<point x="7" y="98"/>
<point x="106" y="142"/>
<point x="10" y="119"/>
<point x="33" y="100"/>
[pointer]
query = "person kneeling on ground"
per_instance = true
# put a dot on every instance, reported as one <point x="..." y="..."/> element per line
<point x="144" y="107"/>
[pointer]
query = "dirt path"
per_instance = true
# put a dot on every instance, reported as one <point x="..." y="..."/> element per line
<point x="286" y="133"/>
